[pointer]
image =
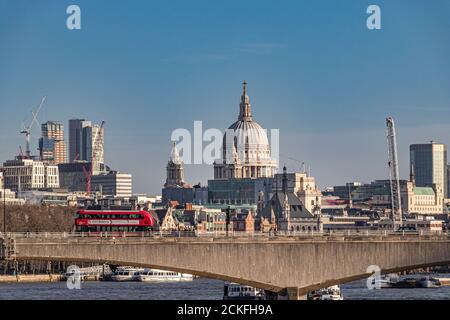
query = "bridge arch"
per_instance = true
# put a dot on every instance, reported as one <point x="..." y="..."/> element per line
<point x="153" y="266"/>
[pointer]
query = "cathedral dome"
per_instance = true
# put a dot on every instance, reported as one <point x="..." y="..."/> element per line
<point x="246" y="137"/>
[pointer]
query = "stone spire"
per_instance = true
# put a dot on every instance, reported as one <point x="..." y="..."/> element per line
<point x="285" y="180"/>
<point x="245" y="113"/>
<point x="174" y="155"/>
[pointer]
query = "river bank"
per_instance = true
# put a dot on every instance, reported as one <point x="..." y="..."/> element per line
<point x="30" y="278"/>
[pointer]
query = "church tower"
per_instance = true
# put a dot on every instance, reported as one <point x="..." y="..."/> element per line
<point x="175" y="169"/>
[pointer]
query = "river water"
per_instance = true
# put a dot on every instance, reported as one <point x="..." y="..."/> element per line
<point x="201" y="289"/>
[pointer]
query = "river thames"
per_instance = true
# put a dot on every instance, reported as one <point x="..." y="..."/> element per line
<point x="198" y="289"/>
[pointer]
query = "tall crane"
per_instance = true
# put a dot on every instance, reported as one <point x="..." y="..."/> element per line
<point x="97" y="154"/>
<point x="396" y="203"/>
<point x="26" y="130"/>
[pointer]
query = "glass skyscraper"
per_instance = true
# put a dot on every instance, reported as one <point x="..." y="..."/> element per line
<point x="428" y="162"/>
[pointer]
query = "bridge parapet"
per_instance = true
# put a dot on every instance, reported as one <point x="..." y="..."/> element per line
<point x="238" y="237"/>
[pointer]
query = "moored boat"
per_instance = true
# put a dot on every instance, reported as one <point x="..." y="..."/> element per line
<point x="409" y="283"/>
<point x="330" y="293"/>
<point x="126" y="274"/>
<point x="153" y="275"/>
<point x="235" y="291"/>
<point x="429" y="282"/>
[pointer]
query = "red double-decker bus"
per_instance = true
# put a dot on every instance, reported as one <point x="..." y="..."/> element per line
<point x="109" y="220"/>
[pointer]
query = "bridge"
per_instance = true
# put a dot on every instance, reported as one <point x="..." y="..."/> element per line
<point x="287" y="265"/>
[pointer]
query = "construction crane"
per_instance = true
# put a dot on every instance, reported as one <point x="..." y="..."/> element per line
<point x="396" y="203"/>
<point x="97" y="154"/>
<point x="26" y="130"/>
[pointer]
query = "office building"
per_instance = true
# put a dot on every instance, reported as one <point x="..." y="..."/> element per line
<point x="428" y="162"/>
<point x="239" y="191"/>
<point x="52" y="147"/>
<point x="113" y="183"/>
<point x="76" y="144"/>
<point x="82" y="136"/>
<point x="72" y="176"/>
<point x="29" y="174"/>
<point x="346" y="191"/>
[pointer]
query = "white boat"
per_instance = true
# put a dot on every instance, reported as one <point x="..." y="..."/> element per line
<point x="384" y="283"/>
<point x="387" y="281"/>
<point x="330" y="293"/>
<point x="126" y="274"/>
<point x="153" y="275"/>
<point x="235" y="291"/>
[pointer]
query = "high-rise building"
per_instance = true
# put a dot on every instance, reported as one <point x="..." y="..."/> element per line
<point x="52" y="147"/>
<point x="82" y="136"/>
<point x="428" y="163"/>
<point x="114" y="184"/>
<point x="91" y="134"/>
<point x="76" y="144"/>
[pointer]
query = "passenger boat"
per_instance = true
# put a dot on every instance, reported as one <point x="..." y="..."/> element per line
<point x="409" y="283"/>
<point x="153" y="275"/>
<point x="235" y="291"/>
<point x="330" y="293"/>
<point x="387" y="281"/>
<point x="126" y="274"/>
<point x="406" y="283"/>
<point x="428" y="282"/>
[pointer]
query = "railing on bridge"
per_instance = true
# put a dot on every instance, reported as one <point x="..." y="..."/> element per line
<point x="223" y="235"/>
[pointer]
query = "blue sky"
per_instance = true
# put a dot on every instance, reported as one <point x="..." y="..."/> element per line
<point x="313" y="70"/>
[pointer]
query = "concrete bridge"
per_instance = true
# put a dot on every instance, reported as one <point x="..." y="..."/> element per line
<point x="289" y="266"/>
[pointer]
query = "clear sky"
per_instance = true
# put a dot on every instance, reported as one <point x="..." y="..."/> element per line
<point x="313" y="69"/>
